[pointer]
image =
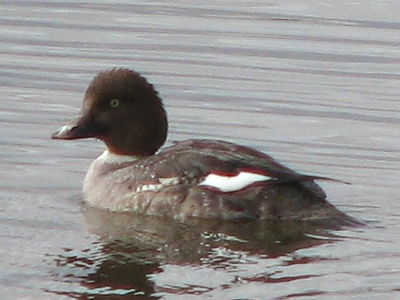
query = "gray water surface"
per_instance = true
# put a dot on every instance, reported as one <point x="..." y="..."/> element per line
<point x="315" y="85"/>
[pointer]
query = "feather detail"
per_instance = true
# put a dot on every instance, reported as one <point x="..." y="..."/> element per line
<point x="233" y="182"/>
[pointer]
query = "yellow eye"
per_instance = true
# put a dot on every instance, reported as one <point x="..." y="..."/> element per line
<point x="114" y="103"/>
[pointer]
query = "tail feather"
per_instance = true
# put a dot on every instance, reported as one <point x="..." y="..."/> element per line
<point x="313" y="177"/>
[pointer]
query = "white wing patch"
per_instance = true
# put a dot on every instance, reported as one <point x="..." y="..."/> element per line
<point x="235" y="182"/>
<point x="154" y="187"/>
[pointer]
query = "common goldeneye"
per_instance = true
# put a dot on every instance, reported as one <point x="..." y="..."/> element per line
<point x="193" y="178"/>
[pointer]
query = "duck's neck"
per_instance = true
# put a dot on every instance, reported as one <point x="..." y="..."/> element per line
<point x="113" y="158"/>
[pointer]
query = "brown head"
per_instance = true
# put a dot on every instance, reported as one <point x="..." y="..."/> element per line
<point x="122" y="109"/>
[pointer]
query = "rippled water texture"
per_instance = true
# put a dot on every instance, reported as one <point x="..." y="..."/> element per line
<point x="315" y="84"/>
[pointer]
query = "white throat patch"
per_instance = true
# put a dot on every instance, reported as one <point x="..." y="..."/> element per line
<point x="112" y="158"/>
<point x="235" y="182"/>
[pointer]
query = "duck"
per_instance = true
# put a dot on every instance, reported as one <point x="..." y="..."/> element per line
<point x="195" y="178"/>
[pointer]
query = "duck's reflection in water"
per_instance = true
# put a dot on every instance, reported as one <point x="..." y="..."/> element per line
<point x="131" y="248"/>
